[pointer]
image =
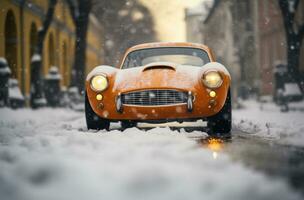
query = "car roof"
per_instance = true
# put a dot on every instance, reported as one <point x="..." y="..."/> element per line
<point x="167" y="44"/>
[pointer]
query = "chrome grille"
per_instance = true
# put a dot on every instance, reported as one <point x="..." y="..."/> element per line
<point x="154" y="97"/>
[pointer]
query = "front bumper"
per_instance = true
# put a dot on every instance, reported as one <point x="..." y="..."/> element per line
<point x="199" y="105"/>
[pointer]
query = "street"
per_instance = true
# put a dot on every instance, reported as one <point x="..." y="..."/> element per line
<point x="270" y="158"/>
<point x="49" y="154"/>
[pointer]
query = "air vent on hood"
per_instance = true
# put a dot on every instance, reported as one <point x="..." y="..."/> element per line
<point x="158" y="67"/>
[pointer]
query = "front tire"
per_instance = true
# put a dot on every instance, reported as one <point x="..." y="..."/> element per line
<point x="94" y="121"/>
<point x="220" y="124"/>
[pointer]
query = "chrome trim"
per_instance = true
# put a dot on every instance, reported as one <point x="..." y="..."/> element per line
<point x="155" y="97"/>
<point x="190" y="102"/>
<point x="119" y="105"/>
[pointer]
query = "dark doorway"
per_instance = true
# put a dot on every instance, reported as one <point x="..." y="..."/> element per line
<point x="11" y="42"/>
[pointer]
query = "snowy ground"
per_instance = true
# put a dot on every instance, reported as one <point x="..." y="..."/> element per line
<point x="48" y="154"/>
<point x="266" y="121"/>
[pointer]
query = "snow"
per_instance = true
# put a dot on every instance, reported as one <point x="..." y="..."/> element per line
<point x="4" y="68"/>
<point x="49" y="154"/>
<point x="101" y="70"/>
<point x="73" y="90"/>
<point x="36" y="58"/>
<point x="186" y="74"/>
<point x="3" y="61"/>
<point x="291" y="6"/>
<point x="14" y="91"/>
<point x="291" y="89"/>
<point x="40" y="101"/>
<point x="215" y="66"/>
<point x="5" y="71"/>
<point x="109" y="44"/>
<point x="53" y="74"/>
<point x="265" y="120"/>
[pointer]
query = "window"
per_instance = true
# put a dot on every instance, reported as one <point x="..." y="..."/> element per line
<point x="178" y="55"/>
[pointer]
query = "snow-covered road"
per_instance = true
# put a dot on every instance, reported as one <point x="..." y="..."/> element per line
<point x="48" y="154"/>
<point x="265" y="120"/>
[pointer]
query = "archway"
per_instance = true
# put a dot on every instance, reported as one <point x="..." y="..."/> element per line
<point x="11" y="42"/>
<point x="51" y="51"/>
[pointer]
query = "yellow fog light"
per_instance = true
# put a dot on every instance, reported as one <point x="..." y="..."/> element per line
<point x="99" y="97"/>
<point x="212" y="94"/>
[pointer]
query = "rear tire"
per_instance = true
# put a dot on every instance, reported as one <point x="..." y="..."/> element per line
<point x="94" y="121"/>
<point x="220" y="124"/>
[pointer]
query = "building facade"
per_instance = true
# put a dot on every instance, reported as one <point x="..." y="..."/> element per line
<point x="19" y="22"/>
<point x="250" y="36"/>
<point x="218" y="34"/>
<point x="194" y="18"/>
<point x="243" y="23"/>
<point x="271" y="41"/>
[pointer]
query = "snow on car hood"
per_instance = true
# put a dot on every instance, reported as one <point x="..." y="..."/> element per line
<point x="158" y="75"/>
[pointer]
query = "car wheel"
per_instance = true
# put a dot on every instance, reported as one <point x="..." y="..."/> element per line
<point x="128" y="124"/>
<point x="220" y="124"/>
<point x="94" y="121"/>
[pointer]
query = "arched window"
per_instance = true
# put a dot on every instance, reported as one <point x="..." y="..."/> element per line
<point x="11" y="42"/>
<point x="51" y="51"/>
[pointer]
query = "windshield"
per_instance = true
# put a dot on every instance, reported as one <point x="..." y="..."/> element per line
<point x="178" y="55"/>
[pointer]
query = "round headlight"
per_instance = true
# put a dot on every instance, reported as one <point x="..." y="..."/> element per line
<point x="99" y="83"/>
<point x="212" y="79"/>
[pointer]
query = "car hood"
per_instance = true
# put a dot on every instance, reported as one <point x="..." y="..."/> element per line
<point x="157" y="75"/>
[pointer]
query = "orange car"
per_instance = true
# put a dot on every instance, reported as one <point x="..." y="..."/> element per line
<point x="160" y="82"/>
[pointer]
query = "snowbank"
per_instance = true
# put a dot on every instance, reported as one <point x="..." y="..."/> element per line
<point x="48" y="154"/>
<point x="265" y="120"/>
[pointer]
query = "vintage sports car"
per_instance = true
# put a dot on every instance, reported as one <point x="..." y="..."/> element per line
<point x="160" y="82"/>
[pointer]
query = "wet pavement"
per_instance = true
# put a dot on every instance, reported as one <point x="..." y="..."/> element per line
<point x="264" y="155"/>
<point x="268" y="157"/>
<point x="261" y="154"/>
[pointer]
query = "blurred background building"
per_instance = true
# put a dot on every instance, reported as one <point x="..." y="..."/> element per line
<point x="248" y="37"/>
<point x="271" y="40"/>
<point x="19" y="22"/>
<point x="218" y="33"/>
<point x="194" y="17"/>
